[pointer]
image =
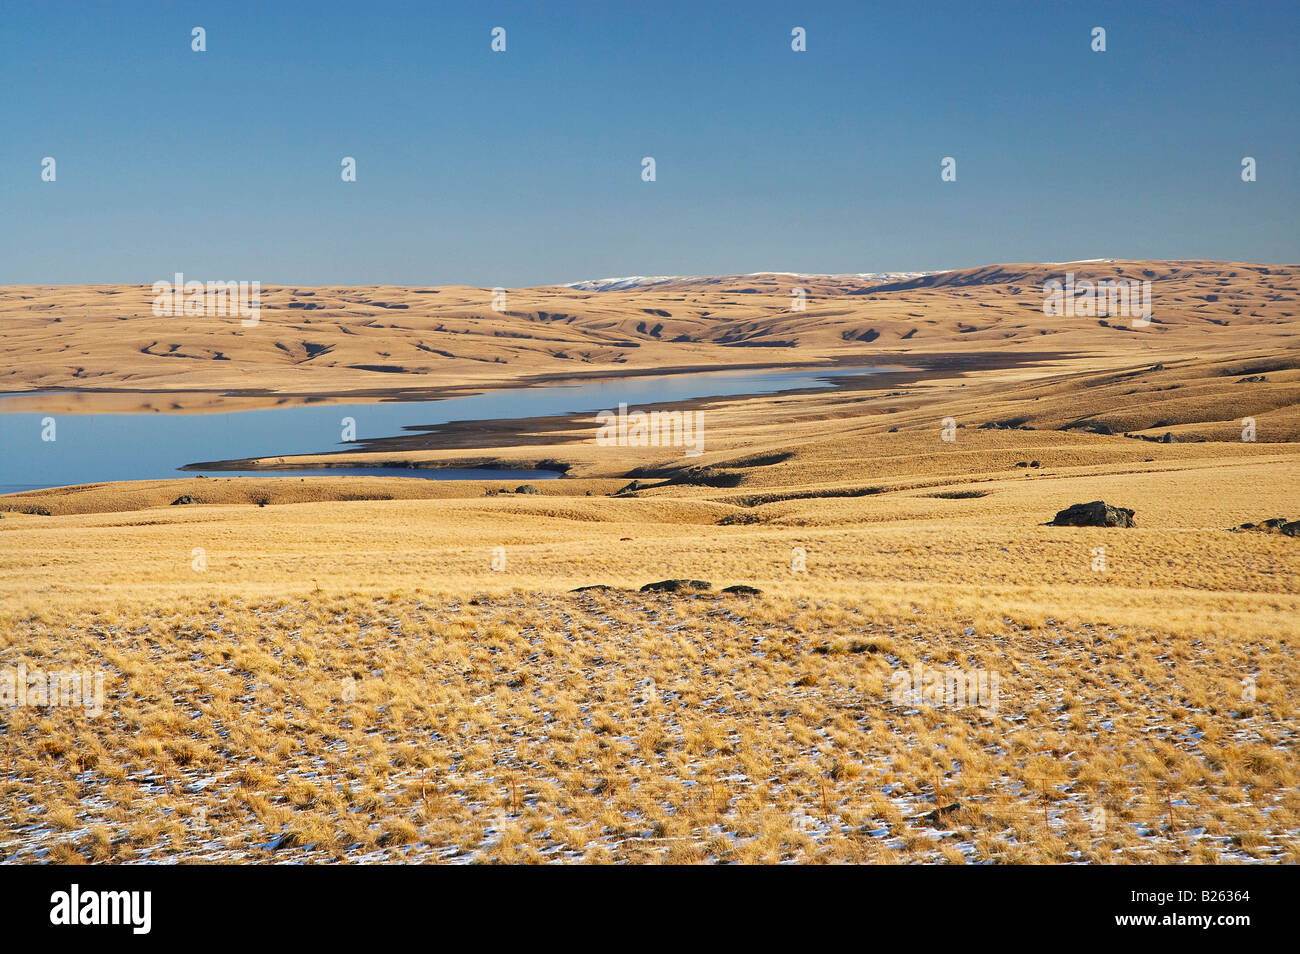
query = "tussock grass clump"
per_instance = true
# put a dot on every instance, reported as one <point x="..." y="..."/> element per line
<point x="560" y="727"/>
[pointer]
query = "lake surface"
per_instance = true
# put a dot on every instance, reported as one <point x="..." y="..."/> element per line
<point x="89" y="448"/>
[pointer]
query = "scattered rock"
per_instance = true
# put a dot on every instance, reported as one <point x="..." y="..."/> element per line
<point x="940" y="815"/>
<point x="1253" y="379"/>
<point x="605" y="587"/>
<point x="677" y="586"/>
<point x="183" y="499"/>
<point x="1010" y="424"/>
<point x="1282" y="525"/>
<point x="743" y="589"/>
<point x="283" y="840"/>
<point x="1095" y="514"/>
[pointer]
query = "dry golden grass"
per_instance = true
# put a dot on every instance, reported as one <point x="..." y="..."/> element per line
<point x="618" y="727"/>
<point x="350" y="671"/>
<point x="336" y="343"/>
<point x="494" y="716"/>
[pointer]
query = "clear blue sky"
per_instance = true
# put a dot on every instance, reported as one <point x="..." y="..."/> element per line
<point x="525" y="167"/>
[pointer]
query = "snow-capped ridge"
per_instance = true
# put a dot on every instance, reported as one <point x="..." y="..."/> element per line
<point x="646" y="281"/>
<point x="619" y="284"/>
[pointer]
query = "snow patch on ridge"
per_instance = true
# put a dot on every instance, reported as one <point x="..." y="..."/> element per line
<point x="618" y="284"/>
<point x="646" y="281"/>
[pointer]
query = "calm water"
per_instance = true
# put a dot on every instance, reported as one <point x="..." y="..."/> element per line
<point x="98" y="447"/>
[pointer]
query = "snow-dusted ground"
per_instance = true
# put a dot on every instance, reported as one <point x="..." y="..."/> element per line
<point x="712" y="656"/>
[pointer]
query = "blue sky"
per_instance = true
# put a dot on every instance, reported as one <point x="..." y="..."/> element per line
<point x="524" y="167"/>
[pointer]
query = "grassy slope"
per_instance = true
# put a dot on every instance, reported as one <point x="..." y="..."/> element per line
<point x="106" y="336"/>
<point x="492" y="715"/>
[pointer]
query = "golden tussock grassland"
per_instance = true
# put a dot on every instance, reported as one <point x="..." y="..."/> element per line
<point x="364" y="669"/>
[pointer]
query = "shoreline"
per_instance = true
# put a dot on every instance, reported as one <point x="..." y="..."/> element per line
<point x="546" y="430"/>
<point x="917" y="362"/>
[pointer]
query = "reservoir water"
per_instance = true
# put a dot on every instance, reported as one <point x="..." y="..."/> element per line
<point x="89" y="448"/>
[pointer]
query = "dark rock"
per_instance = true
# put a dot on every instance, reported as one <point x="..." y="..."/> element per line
<point x="1166" y="438"/>
<point x="1022" y="463"/>
<point x="1009" y="424"/>
<point x="940" y="815"/>
<point x="743" y="589"/>
<point x="594" y="586"/>
<point x="527" y="489"/>
<point x="184" y="499"/>
<point x="677" y="586"/>
<point x="706" y="477"/>
<point x="1095" y="514"/>
<point x="1034" y="463"/>
<point x="1272" y="525"/>
<point x="283" y="840"/>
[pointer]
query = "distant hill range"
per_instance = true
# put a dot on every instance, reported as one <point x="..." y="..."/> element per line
<point x="332" y="340"/>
